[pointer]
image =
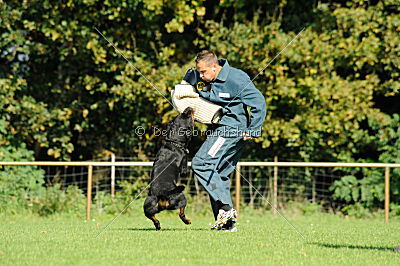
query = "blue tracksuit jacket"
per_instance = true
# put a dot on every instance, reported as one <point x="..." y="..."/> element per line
<point x="234" y="91"/>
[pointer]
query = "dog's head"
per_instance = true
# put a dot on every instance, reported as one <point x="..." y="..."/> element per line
<point x="181" y="128"/>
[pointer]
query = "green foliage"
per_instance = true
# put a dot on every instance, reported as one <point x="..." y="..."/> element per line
<point x="357" y="210"/>
<point x="104" y="204"/>
<point x="82" y="97"/>
<point x="343" y="189"/>
<point x="22" y="188"/>
<point x="304" y="208"/>
<point x="388" y="142"/>
<point x="319" y="91"/>
<point x="128" y="192"/>
<point x="54" y="200"/>
<point x="394" y="209"/>
<point x="132" y="189"/>
<point x="18" y="183"/>
<point x="314" y="76"/>
<point x="65" y="93"/>
<point x="79" y="84"/>
<point x="369" y="190"/>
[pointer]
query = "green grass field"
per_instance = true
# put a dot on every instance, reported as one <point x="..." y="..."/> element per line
<point x="262" y="239"/>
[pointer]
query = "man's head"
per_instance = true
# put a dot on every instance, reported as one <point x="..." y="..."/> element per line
<point x="207" y="65"/>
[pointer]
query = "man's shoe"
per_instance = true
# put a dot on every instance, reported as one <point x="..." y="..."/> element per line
<point x="220" y="214"/>
<point x="216" y="224"/>
<point x="229" y="227"/>
<point x="223" y="217"/>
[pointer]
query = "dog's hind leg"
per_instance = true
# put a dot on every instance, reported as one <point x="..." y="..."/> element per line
<point x="183" y="216"/>
<point x="180" y="201"/>
<point x="150" y="210"/>
<point x="155" y="221"/>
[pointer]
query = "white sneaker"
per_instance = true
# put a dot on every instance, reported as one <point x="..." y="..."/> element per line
<point x="217" y="224"/>
<point x="229" y="227"/>
<point x="223" y="217"/>
<point x="221" y="213"/>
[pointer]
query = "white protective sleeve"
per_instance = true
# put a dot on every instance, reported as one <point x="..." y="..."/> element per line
<point x="184" y="95"/>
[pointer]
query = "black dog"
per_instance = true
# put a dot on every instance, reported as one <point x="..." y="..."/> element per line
<point x="170" y="163"/>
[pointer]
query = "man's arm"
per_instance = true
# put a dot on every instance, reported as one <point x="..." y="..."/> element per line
<point x="252" y="97"/>
<point x="192" y="77"/>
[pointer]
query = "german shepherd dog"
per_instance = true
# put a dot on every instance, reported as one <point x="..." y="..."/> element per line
<point x="170" y="163"/>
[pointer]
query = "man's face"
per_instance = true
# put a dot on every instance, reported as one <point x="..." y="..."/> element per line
<point x="208" y="72"/>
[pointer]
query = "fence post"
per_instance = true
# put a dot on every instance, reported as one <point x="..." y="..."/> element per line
<point x="237" y="192"/>
<point x="89" y="192"/>
<point x="112" y="176"/>
<point x="275" y="195"/>
<point x="314" y="186"/>
<point x="387" y="193"/>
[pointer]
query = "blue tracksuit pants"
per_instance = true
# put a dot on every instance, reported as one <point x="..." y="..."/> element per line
<point x="215" y="161"/>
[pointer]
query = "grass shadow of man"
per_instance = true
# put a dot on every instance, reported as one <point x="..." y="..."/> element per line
<point x="337" y="246"/>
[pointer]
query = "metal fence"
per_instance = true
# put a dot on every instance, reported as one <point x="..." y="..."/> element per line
<point x="255" y="183"/>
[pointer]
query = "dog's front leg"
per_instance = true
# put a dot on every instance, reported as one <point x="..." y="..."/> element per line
<point x="183" y="217"/>
<point x="155" y="221"/>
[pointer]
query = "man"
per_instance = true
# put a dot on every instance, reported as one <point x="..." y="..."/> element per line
<point x="216" y="159"/>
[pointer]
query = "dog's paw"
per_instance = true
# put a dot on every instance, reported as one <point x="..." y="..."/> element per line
<point x="158" y="226"/>
<point x="185" y="219"/>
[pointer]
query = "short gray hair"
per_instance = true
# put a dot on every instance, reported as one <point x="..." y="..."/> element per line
<point x="207" y="56"/>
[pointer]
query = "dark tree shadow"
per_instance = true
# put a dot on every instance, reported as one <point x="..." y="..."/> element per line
<point x="337" y="246"/>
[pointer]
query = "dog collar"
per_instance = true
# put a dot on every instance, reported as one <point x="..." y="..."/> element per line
<point x="178" y="145"/>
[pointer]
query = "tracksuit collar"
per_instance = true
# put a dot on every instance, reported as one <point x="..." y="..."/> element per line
<point x="223" y="73"/>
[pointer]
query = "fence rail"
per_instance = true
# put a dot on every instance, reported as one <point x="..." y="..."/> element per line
<point x="278" y="164"/>
<point x="238" y="175"/>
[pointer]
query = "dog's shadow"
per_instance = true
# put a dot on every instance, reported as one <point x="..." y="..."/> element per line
<point x="149" y="229"/>
<point x="337" y="246"/>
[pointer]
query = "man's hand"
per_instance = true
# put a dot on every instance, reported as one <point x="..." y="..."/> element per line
<point x="247" y="137"/>
<point x="183" y="94"/>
